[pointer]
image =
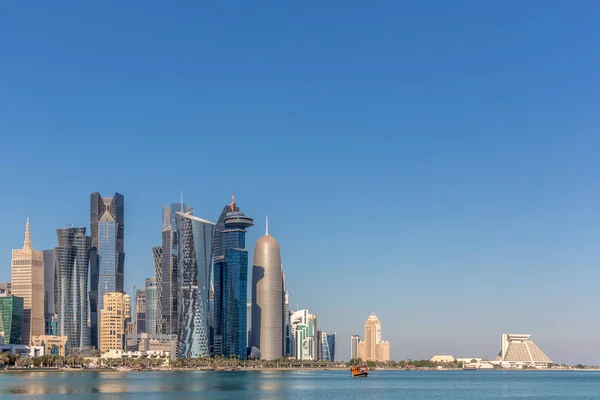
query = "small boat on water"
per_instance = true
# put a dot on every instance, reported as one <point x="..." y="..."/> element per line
<point x="360" y="371"/>
<point x="470" y="367"/>
<point x="123" y="369"/>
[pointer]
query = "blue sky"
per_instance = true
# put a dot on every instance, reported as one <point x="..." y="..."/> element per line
<point x="434" y="162"/>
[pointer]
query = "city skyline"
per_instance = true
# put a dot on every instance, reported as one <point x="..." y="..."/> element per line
<point x="437" y="163"/>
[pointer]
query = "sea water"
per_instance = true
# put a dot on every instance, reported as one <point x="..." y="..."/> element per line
<point x="305" y="385"/>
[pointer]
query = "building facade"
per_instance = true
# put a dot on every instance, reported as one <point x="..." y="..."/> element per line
<point x="305" y="333"/>
<point x="167" y="278"/>
<point x="327" y="343"/>
<point x="152" y="310"/>
<point x="195" y="243"/>
<point x="354" y="341"/>
<point x="107" y="254"/>
<point x="5" y="289"/>
<point x="140" y="311"/>
<point x="27" y="281"/>
<point x="231" y="282"/>
<point x="11" y="318"/>
<point x="50" y="324"/>
<point x="267" y="298"/>
<point x="157" y="257"/>
<point x="114" y="317"/>
<point x="71" y="286"/>
<point x="53" y="345"/>
<point x="373" y="348"/>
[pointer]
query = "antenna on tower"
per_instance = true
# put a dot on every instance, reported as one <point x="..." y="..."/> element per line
<point x="267" y="233"/>
<point x="182" y="210"/>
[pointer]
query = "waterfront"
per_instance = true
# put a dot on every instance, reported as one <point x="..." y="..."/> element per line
<point x="304" y="385"/>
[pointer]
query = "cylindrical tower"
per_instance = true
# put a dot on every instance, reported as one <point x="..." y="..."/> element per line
<point x="267" y="298"/>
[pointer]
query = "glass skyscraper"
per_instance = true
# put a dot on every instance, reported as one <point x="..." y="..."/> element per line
<point x="107" y="255"/>
<point x="231" y="283"/>
<point x="49" y="314"/>
<point x="71" y="285"/>
<point x="151" y="325"/>
<point x="11" y="318"/>
<point x="327" y="346"/>
<point x="195" y="242"/>
<point x="140" y="310"/>
<point x="167" y="279"/>
<point x="158" y="278"/>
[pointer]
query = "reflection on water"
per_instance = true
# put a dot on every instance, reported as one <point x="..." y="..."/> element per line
<point x="271" y="385"/>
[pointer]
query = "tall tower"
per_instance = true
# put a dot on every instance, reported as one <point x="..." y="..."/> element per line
<point x="107" y="255"/>
<point x="151" y="292"/>
<point x="49" y="272"/>
<point x="267" y="299"/>
<point x="140" y="310"/>
<point x="231" y="282"/>
<point x="115" y="315"/>
<point x="195" y="243"/>
<point x="167" y="279"/>
<point x="373" y="348"/>
<point x="27" y="278"/>
<point x="71" y="285"/>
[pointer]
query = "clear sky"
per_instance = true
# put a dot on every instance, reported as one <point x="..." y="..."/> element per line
<point x="435" y="162"/>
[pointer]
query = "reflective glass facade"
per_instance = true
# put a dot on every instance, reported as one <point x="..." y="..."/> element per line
<point x="195" y="264"/>
<point x="167" y="280"/>
<point x="157" y="257"/>
<point x="11" y="318"/>
<point x="71" y="284"/>
<point x="231" y="283"/>
<point x="328" y="346"/>
<point x="140" y="311"/>
<point x="49" y="267"/>
<point x="107" y="255"/>
<point x="151" y="324"/>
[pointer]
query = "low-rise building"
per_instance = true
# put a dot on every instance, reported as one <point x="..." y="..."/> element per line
<point x="442" y="359"/>
<point x="22" y="350"/>
<point x="53" y="345"/>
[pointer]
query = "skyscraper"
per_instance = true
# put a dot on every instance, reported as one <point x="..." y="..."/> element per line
<point x="107" y="255"/>
<point x="158" y="278"/>
<point x="140" y="311"/>
<point x="327" y="343"/>
<point x="195" y="243"/>
<point x="152" y="310"/>
<point x="231" y="282"/>
<point x="167" y="279"/>
<point x="354" y="341"/>
<point x="267" y="301"/>
<point x="71" y="284"/>
<point x="27" y="279"/>
<point x="49" y="314"/>
<point x="373" y="348"/>
<point x="304" y="329"/>
<point x="114" y="317"/>
<point x="11" y="318"/>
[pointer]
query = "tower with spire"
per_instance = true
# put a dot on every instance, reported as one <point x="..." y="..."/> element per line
<point x="27" y="278"/>
<point x="267" y="297"/>
<point x="229" y="330"/>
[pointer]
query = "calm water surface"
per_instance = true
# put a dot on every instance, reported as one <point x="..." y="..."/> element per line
<point x="330" y="385"/>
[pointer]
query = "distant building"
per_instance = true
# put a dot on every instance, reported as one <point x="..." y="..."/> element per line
<point x="354" y="341"/>
<point x="5" y="289"/>
<point x="107" y="254"/>
<point x="113" y="320"/>
<point x="27" y="281"/>
<point x="50" y="321"/>
<point x="22" y="350"/>
<point x="304" y="329"/>
<point x="442" y="359"/>
<point x="152" y="310"/>
<point x="267" y="298"/>
<point x="518" y="351"/>
<point x="195" y="243"/>
<point x="140" y="310"/>
<point x="11" y="318"/>
<point x="155" y="342"/>
<point x="327" y="343"/>
<point x="53" y="345"/>
<point x="71" y="284"/>
<point x="373" y="348"/>
<point x="168" y="276"/>
<point x="231" y="282"/>
<point x="157" y="256"/>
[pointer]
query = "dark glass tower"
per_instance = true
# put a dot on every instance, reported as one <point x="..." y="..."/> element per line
<point x="167" y="279"/>
<point x="49" y="314"/>
<point x="107" y="255"/>
<point x="71" y="284"/>
<point x="195" y="237"/>
<point x="231" y="282"/>
<point x="11" y="318"/>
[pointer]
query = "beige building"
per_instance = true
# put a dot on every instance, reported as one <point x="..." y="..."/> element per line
<point x="51" y="344"/>
<point x="113" y="318"/>
<point x="27" y="281"/>
<point x="373" y="348"/>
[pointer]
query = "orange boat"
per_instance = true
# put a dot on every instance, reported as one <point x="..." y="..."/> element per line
<point x="360" y="371"/>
